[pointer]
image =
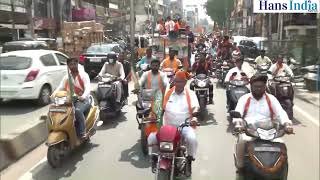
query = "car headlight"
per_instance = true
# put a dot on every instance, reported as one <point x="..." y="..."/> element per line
<point x="166" y="146"/>
<point x="201" y="84"/>
<point x="60" y="100"/>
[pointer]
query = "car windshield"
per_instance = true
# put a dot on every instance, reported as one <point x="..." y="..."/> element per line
<point x="14" y="63"/>
<point x="99" y="49"/>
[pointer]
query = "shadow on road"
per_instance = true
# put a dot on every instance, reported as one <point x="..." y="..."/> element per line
<point x="45" y="171"/>
<point x="113" y="122"/>
<point x="18" y="107"/>
<point x="208" y="120"/>
<point x="135" y="156"/>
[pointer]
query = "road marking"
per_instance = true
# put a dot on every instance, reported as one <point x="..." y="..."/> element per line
<point x="28" y="175"/>
<point x="310" y="118"/>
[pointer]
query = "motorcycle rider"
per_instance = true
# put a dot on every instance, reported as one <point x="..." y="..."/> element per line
<point x="179" y="103"/>
<point x="280" y="68"/>
<point x="154" y="79"/>
<point x="81" y="82"/>
<point x="262" y="59"/>
<point x="238" y="58"/>
<point x="114" y="68"/>
<point x="258" y="105"/>
<point x="171" y="62"/>
<point x="202" y="67"/>
<point x="127" y="71"/>
<point x="147" y="58"/>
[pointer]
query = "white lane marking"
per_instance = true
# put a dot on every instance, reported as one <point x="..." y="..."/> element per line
<point x="28" y="175"/>
<point x="305" y="114"/>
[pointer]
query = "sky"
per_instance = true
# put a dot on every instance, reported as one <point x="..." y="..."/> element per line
<point x="202" y="12"/>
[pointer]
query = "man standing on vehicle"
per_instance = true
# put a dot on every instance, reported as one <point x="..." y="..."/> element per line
<point x="81" y="84"/>
<point x="171" y="62"/>
<point x="114" y="68"/>
<point x="262" y="59"/>
<point x="179" y="104"/>
<point x="127" y="71"/>
<point x="190" y="36"/>
<point x="255" y="106"/>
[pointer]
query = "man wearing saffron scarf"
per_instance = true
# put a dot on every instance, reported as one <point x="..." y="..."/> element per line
<point x="280" y="68"/>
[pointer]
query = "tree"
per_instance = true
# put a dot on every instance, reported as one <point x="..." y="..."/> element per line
<point x="218" y="10"/>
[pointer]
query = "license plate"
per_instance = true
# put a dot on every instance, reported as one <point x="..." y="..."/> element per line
<point x="105" y="85"/>
<point x="95" y="60"/>
<point x="267" y="149"/>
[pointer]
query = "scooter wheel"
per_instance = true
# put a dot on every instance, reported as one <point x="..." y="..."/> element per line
<point x="54" y="156"/>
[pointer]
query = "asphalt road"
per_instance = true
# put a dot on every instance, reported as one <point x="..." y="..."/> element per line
<point x="114" y="152"/>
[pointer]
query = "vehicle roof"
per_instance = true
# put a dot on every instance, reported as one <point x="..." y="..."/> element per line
<point x="105" y="44"/>
<point x="24" y="42"/>
<point x="29" y="53"/>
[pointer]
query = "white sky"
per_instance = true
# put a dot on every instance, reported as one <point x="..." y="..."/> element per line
<point x="202" y="12"/>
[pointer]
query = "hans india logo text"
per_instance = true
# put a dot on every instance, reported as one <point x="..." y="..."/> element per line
<point x="286" y="6"/>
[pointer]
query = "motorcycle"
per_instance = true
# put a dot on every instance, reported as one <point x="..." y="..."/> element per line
<point x="263" y="68"/>
<point x="172" y="158"/>
<point x="146" y="125"/>
<point x="264" y="158"/>
<point x="62" y="138"/>
<point x="106" y="95"/>
<point x="170" y="75"/>
<point x="143" y="68"/>
<point x="281" y="87"/>
<point x="201" y="88"/>
<point x="237" y="88"/>
<point x="225" y="67"/>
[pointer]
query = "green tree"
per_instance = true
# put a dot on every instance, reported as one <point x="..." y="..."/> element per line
<point x="219" y="10"/>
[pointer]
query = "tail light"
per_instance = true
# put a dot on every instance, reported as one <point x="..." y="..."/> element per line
<point x="32" y="75"/>
<point x="82" y="58"/>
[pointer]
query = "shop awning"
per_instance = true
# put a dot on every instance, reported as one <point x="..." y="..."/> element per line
<point x="17" y="26"/>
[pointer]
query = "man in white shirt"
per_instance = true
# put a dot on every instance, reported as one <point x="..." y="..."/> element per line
<point x="262" y="59"/>
<point x="169" y="26"/>
<point x="256" y="106"/>
<point x="280" y="68"/>
<point x="179" y="103"/>
<point x="81" y="83"/>
<point x="114" y="68"/>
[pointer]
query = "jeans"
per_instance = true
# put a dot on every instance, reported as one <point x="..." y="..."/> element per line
<point x="80" y="108"/>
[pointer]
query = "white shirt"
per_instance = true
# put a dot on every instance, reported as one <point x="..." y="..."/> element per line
<point x="86" y="82"/>
<point x="143" y="82"/>
<point x="177" y="110"/>
<point x="259" y="109"/>
<point x="285" y="70"/>
<point x="115" y="70"/>
<point x="231" y="71"/>
<point x="169" y="25"/>
<point x="265" y="60"/>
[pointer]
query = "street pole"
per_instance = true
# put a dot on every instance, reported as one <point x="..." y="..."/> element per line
<point x="12" y="21"/>
<point x="132" y="30"/>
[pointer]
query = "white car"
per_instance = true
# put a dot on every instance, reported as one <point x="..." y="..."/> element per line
<point x="31" y="74"/>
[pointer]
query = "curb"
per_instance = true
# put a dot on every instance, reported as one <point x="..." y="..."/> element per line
<point x="14" y="145"/>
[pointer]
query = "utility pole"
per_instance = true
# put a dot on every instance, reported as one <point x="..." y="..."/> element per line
<point x="12" y="21"/>
<point x="132" y="29"/>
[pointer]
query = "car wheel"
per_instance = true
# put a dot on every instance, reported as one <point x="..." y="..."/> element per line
<point x="44" y="96"/>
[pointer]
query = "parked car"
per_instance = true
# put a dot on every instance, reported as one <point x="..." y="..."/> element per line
<point x="31" y="74"/>
<point x="96" y="55"/>
<point x="248" y="48"/>
<point x="24" y="45"/>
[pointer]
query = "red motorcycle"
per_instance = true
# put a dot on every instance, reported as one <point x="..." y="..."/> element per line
<point x="172" y="158"/>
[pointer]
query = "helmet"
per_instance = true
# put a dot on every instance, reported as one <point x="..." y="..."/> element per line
<point x="112" y="57"/>
<point x="236" y="55"/>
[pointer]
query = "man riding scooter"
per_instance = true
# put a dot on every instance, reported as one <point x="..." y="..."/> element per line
<point x="262" y="59"/>
<point x="202" y="67"/>
<point x="255" y="106"/>
<point x="147" y="58"/>
<point x="171" y="62"/>
<point x="280" y="68"/>
<point x="81" y="83"/>
<point x="179" y="104"/>
<point x="114" y="68"/>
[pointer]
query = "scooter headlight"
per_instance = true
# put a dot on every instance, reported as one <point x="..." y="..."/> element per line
<point x="60" y="100"/>
<point x="201" y="84"/>
<point x="166" y="146"/>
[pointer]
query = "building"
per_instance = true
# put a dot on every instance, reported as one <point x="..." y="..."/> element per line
<point x="176" y="8"/>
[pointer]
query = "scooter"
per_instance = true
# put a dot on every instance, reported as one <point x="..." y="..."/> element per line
<point x="237" y="88"/>
<point x="62" y="138"/>
<point x="146" y="125"/>
<point x="263" y="68"/>
<point x="172" y="158"/>
<point x="106" y="95"/>
<point x="263" y="157"/>
<point x="170" y="75"/>
<point x="281" y="87"/>
<point x="201" y="88"/>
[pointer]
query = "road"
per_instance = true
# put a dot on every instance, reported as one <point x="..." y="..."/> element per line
<point x="114" y="152"/>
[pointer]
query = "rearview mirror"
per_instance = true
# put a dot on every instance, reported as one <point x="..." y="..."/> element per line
<point x="235" y="114"/>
